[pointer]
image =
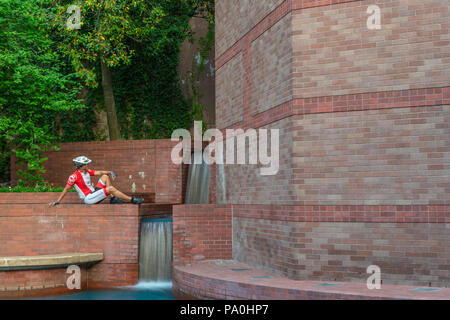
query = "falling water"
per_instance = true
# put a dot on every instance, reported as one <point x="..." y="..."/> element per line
<point x="197" y="191"/>
<point x="155" y="250"/>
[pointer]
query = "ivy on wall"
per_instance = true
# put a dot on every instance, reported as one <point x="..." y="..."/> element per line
<point x="150" y="104"/>
<point x="206" y="44"/>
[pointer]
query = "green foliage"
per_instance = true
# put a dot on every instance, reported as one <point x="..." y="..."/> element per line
<point x="44" y="66"/>
<point x="141" y="41"/>
<point x="4" y="160"/>
<point x="106" y="28"/>
<point x="148" y="96"/>
<point x="149" y="100"/>
<point x="198" y="67"/>
<point x="33" y="83"/>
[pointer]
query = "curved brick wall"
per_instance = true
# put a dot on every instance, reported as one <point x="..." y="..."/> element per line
<point x="338" y="243"/>
<point x="364" y="144"/>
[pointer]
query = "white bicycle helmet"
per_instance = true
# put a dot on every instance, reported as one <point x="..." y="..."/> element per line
<point x="81" y="161"/>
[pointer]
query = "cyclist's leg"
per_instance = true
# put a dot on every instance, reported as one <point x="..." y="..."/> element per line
<point x="104" y="182"/>
<point x="112" y="190"/>
<point x="96" y="197"/>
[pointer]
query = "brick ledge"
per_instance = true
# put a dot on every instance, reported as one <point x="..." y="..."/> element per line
<point x="48" y="261"/>
<point x="214" y="279"/>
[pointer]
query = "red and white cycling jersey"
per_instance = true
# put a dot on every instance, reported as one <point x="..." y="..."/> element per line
<point x="81" y="181"/>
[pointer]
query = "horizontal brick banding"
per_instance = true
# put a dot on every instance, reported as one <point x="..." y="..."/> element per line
<point x="373" y="101"/>
<point x="201" y="232"/>
<point x="353" y="84"/>
<point x="363" y="119"/>
<point x="269" y="21"/>
<point x="354" y="102"/>
<point x="407" y="253"/>
<point x="409" y="243"/>
<point x="374" y="214"/>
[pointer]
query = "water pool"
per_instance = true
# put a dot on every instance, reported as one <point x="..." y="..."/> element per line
<point x="142" y="291"/>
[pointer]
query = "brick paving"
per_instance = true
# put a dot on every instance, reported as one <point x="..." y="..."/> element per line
<point x="230" y="279"/>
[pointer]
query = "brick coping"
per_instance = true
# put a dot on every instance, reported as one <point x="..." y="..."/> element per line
<point x="331" y="213"/>
<point x="347" y="213"/>
<point x="230" y="279"/>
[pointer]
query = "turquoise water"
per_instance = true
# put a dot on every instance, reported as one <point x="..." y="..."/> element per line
<point x="155" y="261"/>
<point x="142" y="291"/>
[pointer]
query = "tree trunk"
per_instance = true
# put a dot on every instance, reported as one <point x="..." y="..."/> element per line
<point x="110" y="104"/>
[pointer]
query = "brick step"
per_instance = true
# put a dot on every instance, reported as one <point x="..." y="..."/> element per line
<point x="230" y="279"/>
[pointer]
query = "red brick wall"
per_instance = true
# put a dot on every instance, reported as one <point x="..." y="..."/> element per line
<point x="35" y="229"/>
<point x="229" y="93"/>
<point x="271" y="67"/>
<point x="201" y="232"/>
<point x="32" y="283"/>
<point x="236" y="18"/>
<point x="377" y="157"/>
<point x="243" y="184"/>
<point x="364" y="124"/>
<point x="336" y="54"/>
<point x="212" y="184"/>
<point x="146" y="164"/>
<point x="337" y="243"/>
<point x="327" y="243"/>
<point x="38" y="198"/>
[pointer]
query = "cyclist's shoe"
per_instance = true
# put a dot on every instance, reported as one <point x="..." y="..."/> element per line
<point x="115" y="200"/>
<point x="137" y="200"/>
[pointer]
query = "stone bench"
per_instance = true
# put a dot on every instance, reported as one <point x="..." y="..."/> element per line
<point x="49" y="261"/>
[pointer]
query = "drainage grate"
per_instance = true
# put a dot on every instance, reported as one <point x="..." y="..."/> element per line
<point x="328" y="284"/>
<point x="426" y="289"/>
<point x="261" y="277"/>
<point x="240" y="269"/>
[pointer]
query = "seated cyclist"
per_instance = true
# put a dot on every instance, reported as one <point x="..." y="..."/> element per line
<point x="81" y="181"/>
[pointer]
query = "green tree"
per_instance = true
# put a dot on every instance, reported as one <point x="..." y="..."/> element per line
<point x="107" y="26"/>
<point x="34" y="86"/>
<point x="110" y="31"/>
<point x="149" y="99"/>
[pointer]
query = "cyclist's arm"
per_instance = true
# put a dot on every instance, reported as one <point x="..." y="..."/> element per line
<point x="101" y="172"/>
<point x="63" y="194"/>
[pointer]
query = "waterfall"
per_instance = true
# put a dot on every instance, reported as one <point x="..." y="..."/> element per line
<point x="155" y="250"/>
<point x="197" y="191"/>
